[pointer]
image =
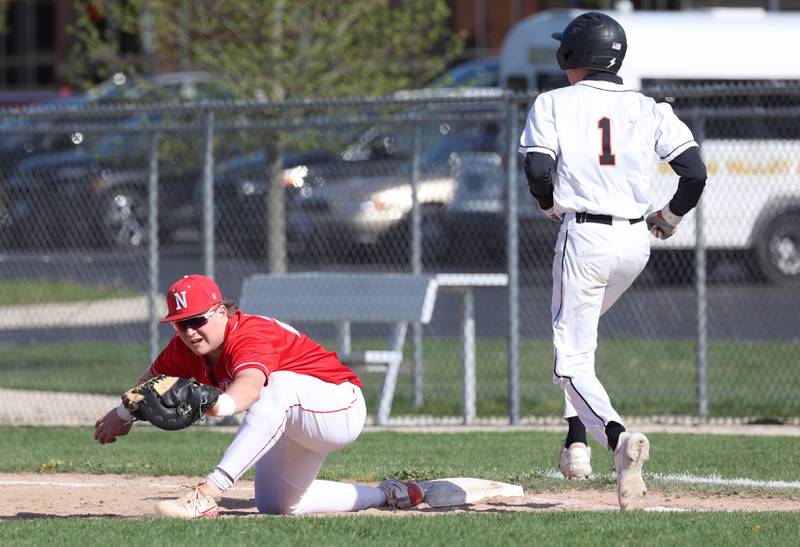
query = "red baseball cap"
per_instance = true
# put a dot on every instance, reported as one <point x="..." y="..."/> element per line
<point x="191" y="295"/>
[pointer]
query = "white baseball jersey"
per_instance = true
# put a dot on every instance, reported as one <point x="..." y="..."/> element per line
<point x="603" y="136"/>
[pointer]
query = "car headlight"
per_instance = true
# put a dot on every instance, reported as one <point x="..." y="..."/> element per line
<point x="395" y="199"/>
<point x="295" y="176"/>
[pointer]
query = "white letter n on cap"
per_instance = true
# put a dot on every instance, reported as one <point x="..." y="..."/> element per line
<point x="180" y="300"/>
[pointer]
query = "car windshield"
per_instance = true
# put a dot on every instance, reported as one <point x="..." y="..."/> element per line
<point x="439" y="141"/>
<point x="472" y="140"/>
<point x="479" y="73"/>
<point x="182" y="90"/>
<point x="113" y="89"/>
<point x="178" y="86"/>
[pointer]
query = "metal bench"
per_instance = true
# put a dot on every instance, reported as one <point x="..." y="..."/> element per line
<point x="343" y="299"/>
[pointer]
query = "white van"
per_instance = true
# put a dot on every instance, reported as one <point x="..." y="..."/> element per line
<point x="752" y="198"/>
<point x="711" y="44"/>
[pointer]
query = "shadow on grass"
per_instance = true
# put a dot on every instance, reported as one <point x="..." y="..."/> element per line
<point x="50" y="516"/>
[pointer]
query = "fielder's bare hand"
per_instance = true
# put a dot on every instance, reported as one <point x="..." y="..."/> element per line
<point x="111" y="426"/>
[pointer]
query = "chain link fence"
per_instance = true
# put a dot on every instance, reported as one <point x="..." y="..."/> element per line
<point x="101" y="208"/>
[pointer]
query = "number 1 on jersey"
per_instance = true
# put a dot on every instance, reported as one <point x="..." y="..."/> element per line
<point x="606" y="158"/>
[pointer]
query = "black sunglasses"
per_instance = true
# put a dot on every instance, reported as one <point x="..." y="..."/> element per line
<point x="194" y="323"/>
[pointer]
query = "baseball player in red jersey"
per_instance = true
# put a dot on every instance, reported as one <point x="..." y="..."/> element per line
<point x="300" y="403"/>
<point x="600" y="136"/>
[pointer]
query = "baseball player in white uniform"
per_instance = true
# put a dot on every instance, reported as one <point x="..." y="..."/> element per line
<point x="300" y="404"/>
<point x="600" y="136"/>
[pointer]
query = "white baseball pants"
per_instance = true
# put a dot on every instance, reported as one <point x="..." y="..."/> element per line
<point x="594" y="265"/>
<point x="287" y="433"/>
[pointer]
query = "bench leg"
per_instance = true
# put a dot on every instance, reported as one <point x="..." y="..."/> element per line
<point x="468" y="354"/>
<point x="343" y="334"/>
<point x="390" y="381"/>
<point x="417" y="378"/>
<point x="387" y="393"/>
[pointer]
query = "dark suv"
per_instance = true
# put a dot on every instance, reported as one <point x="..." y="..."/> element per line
<point x="92" y="189"/>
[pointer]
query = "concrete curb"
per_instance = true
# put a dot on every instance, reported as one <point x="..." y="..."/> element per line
<point x="85" y="313"/>
<point x="23" y="407"/>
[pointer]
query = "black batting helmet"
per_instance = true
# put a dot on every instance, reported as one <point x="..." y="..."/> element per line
<point x="592" y="40"/>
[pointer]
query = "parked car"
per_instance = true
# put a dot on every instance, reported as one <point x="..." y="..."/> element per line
<point x="483" y="72"/>
<point x="357" y="198"/>
<point x="70" y="198"/>
<point x="476" y="219"/>
<point x="369" y="201"/>
<point x="242" y="204"/>
<point x="42" y="134"/>
<point x="95" y="191"/>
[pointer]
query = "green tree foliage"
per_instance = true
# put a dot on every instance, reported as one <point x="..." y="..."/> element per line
<point x="284" y="48"/>
<point x="101" y="42"/>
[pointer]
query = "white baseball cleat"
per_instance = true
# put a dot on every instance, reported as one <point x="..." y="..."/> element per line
<point x="402" y="494"/>
<point x="576" y="461"/>
<point x="193" y="505"/>
<point x="633" y="450"/>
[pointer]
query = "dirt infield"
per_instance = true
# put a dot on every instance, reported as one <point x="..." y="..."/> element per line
<point x="34" y="495"/>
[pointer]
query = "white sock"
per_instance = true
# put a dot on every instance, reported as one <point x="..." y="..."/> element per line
<point x="336" y="497"/>
<point x="220" y="479"/>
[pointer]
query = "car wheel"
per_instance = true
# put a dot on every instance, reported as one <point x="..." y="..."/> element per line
<point x="778" y="250"/>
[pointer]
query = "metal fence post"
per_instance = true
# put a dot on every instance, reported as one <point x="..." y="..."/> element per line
<point x="152" y="236"/>
<point x="208" y="195"/>
<point x="700" y="286"/>
<point x="416" y="214"/>
<point x="416" y="256"/>
<point x="512" y="250"/>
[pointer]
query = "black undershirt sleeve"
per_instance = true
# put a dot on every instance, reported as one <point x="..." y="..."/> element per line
<point x="689" y="166"/>
<point x="539" y="172"/>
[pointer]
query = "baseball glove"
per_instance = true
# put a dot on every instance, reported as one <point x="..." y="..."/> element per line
<point x="169" y="402"/>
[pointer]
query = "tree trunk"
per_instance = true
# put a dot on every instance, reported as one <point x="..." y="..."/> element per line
<point x="276" y="206"/>
<point x="276" y="211"/>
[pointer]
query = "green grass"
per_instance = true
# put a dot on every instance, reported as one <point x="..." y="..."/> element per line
<point x="27" y="291"/>
<point x="643" y="377"/>
<point x="522" y="457"/>
<point x="84" y="367"/>
<point x="560" y="529"/>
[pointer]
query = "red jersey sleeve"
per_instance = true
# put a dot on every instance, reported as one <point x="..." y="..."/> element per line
<point x="250" y="350"/>
<point x="270" y="345"/>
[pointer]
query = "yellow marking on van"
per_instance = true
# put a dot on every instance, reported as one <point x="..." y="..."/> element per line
<point x="772" y="167"/>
